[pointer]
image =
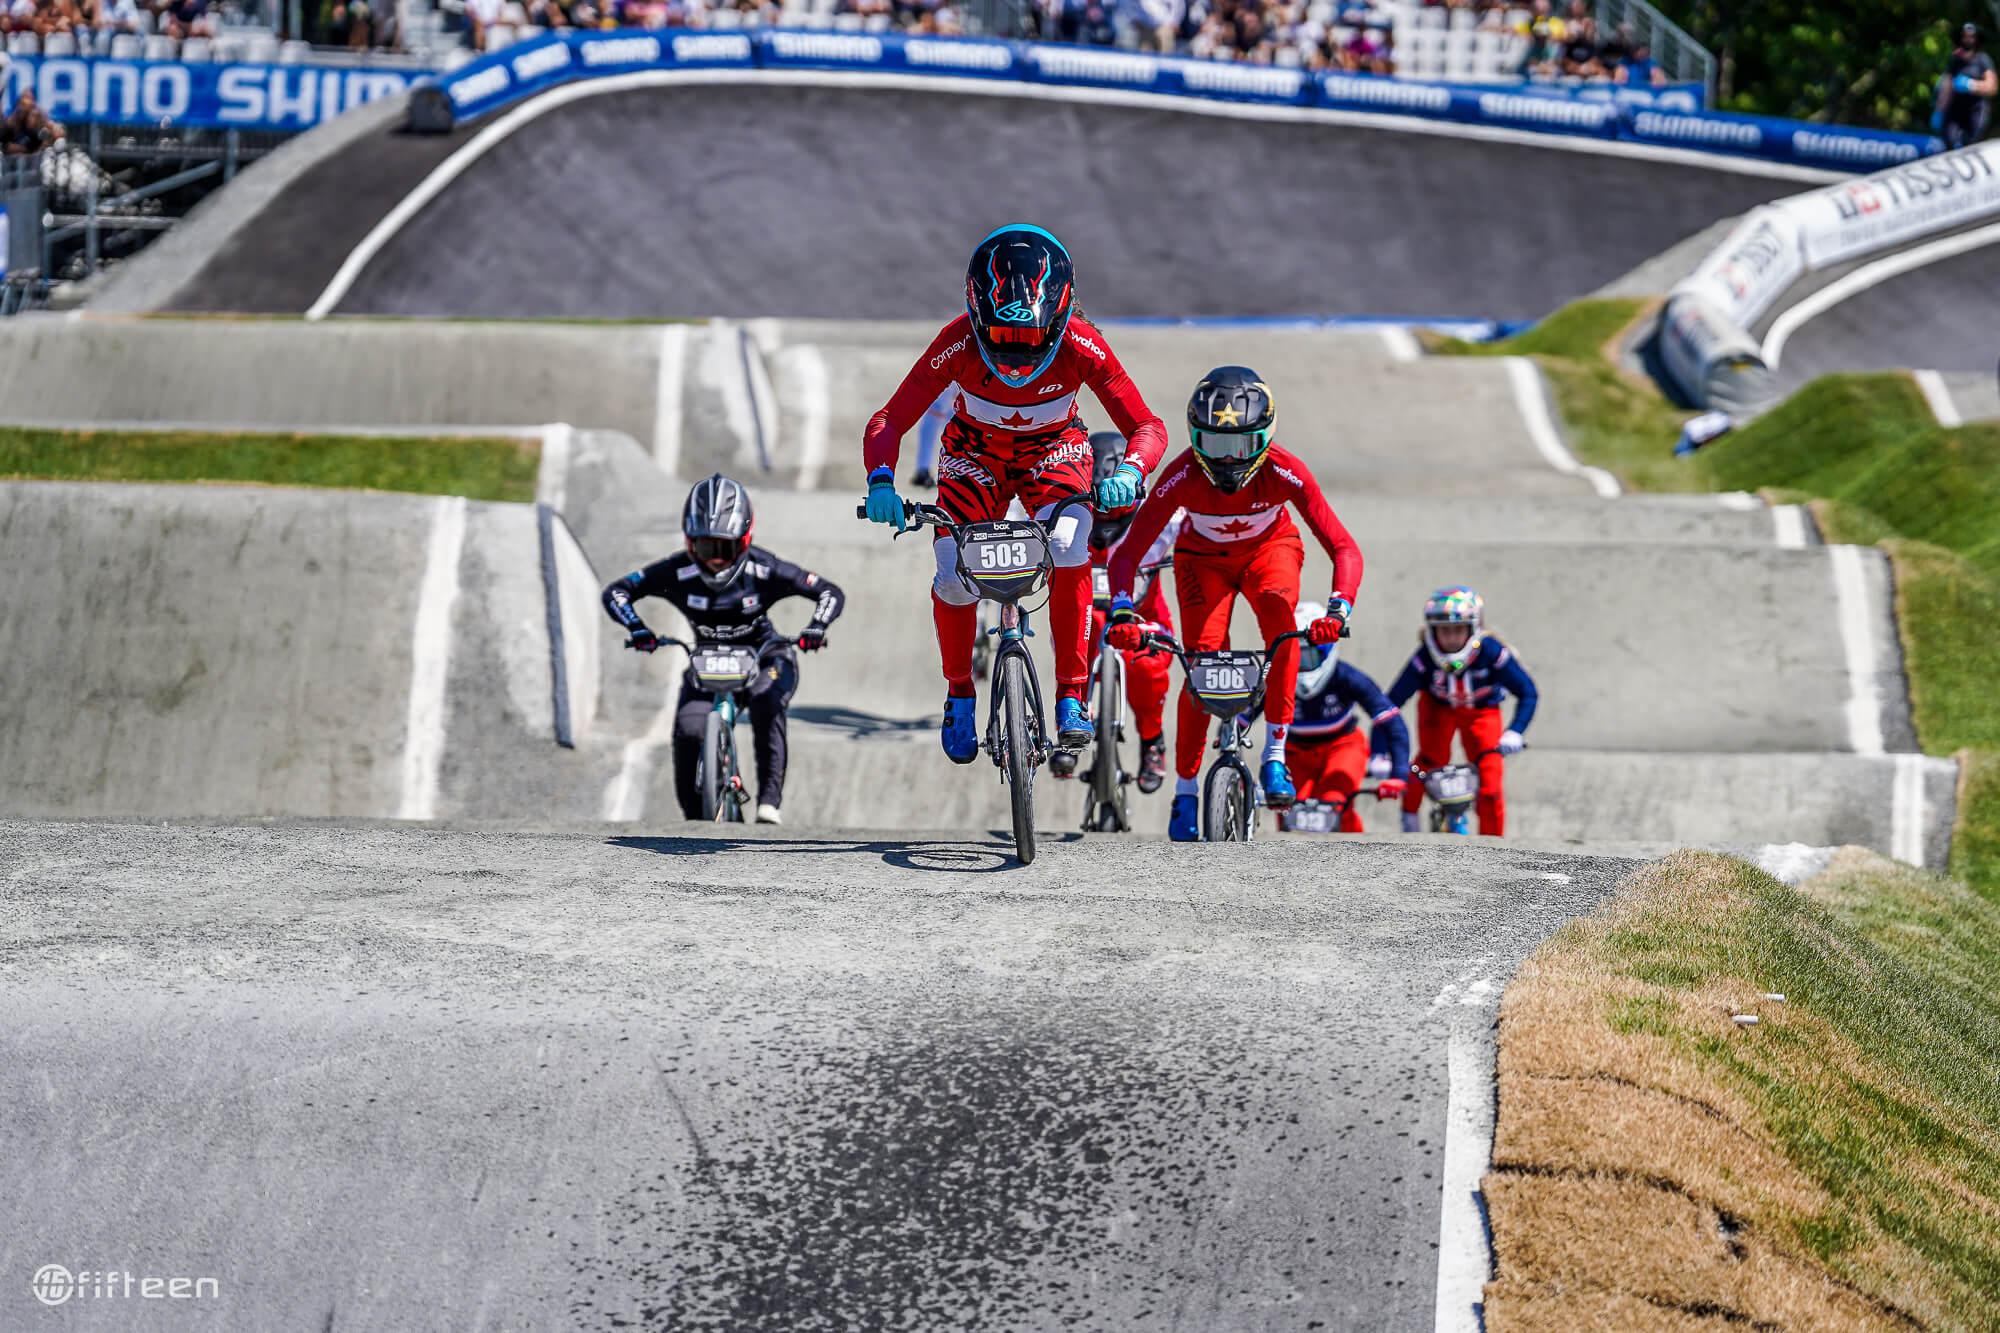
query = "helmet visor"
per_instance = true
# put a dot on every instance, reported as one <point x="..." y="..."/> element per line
<point x="1311" y="657"/>
<point x="1230" y="446"/>
<point x="715" y="554"/>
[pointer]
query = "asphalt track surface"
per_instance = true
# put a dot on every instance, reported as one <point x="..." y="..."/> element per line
<point x="762" y="199"/>
<point x="382" y="1078"/>
<point x="1939" y="317"/>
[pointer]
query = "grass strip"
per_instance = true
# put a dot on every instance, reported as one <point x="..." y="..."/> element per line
<point x="481" y="469"/>
<point x="1658" y="1164"/>
<point x="1616" y="418"/>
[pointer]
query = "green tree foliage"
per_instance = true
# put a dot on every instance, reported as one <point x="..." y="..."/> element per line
<point x="1853" y="62"/>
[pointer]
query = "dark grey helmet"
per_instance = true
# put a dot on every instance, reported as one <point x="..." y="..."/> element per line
<point x="716" y="521"/>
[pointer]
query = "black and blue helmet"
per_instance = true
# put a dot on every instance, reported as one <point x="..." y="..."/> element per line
<point x="1019" y="292"/>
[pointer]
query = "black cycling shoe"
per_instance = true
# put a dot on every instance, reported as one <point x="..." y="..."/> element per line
<point x="1063" y="763"/>
<point x="923" y="480"/>
<point x="1152" y="764"/>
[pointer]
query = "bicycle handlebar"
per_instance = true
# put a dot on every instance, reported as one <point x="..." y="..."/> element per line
<point x="919" y="516"/>
<point x="1161" y="639"/>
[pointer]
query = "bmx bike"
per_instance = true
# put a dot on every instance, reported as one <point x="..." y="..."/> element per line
<point x="1006" y="561"/>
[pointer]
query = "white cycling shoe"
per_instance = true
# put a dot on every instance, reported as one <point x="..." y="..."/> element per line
<point x="768" y="814"/>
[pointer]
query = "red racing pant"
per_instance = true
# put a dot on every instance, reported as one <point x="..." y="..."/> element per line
<point x="1477" y="729"/>
<point x="977" y="489"/>
<point x="1330" y="769"/>
<point x="1267" y="576"/>
<point x="1148" y="674"/>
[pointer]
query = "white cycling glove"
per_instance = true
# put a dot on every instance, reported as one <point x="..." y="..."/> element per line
<point x="1378" y="766"/>
<point x="1511" y="742"/>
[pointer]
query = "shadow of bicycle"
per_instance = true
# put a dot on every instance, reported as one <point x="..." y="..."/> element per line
<point x="957" y="858"/>
<point x="861" y="725"/>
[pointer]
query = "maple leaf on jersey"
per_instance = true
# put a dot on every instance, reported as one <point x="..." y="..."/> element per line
<point x="1233" y="527"/>
<point x="1018" y="419"/>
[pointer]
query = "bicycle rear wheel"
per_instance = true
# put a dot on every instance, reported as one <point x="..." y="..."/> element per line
<point x="1018" y="738"/>
<point x="1107" y="770"/>
<point x="1225" y="804"/>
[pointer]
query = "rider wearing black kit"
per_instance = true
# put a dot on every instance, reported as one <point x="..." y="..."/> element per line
<point x="725" y="587"/>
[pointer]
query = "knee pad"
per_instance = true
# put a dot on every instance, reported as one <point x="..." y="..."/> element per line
<point x="947" y="586"/>
<point x="1069" y="536"/>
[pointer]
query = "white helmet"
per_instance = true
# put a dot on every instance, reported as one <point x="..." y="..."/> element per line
<point x="1316" y="664"/>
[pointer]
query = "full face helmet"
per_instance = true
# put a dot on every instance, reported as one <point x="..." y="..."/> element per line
<point x="1108" y="450"/>
<point x="1316" y="664"/>
<point x="1449" y="607"/>
<point x="1020" y="292"/>
<point x="716" y="522"/>
<point x="1230" y="420"/>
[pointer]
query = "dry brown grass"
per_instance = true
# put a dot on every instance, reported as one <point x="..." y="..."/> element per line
<point x="1658" y="1165"/>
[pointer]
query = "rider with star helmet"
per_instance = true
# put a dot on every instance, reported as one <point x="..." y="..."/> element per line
<point x="724" y="585"/>
<point x="1238" y="488"/>
<point x="1327" y="751"/>
<point x="1014" y="364"/>
<point x="1461" y="674"/>
<point x="1148" y="671"/>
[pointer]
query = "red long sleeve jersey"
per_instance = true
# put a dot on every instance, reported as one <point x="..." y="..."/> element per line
<point x="1011" y="421"/>
<point x="1220" y="523"/>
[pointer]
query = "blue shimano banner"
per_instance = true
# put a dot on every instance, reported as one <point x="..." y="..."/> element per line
<point x="1835" y="146"/>
<point x="1668" y="116"/>
<point x="526" y="68"/>
<point x="86" y="89"/>
<point x="956" y="56"/>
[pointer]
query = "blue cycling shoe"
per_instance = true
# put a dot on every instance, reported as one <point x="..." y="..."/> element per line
<point x="1184" y="823"/>
<point x="961" y="729"/>
<point x="1073" y="729"/>
<point x="1279" y="793"/>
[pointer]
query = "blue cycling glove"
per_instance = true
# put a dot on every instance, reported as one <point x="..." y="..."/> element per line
<point x="1962" y="83"/>
<point x="884" y="505"/>
<point x="1120" y="490"/>
<point x="1937" y="122"/>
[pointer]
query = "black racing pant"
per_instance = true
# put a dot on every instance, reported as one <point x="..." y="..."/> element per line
<point x="1965" y="120"/>
<point x="770" y="695"/>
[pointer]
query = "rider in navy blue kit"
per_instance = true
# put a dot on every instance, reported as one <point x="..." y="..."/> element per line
<point x="726" y="587"/>
<point x="1329" y="753"/>
<point x="1464" y="675"/>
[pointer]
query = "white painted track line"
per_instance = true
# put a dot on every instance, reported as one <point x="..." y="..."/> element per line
<point x="1402" y="344"/>
<point x="430" y="660"/>
<point x="1909" y="816"/>
<point x="1526" y="379"/>
<point x="808" y="372"/>
<point x="668" y="387"/>
<point x="1857" y="637"/>
<point x="1788" y="527"/>
<point x="625" y="794"/>
<point x="1465" y="1262"/>
<point x="1938" y="394"/>
<point x="552" y="477"/>
<point x="1861" y="279"/>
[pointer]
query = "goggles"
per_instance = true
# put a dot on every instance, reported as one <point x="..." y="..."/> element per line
<point x="715" y="553"/>
<point x="1230" y="446"/>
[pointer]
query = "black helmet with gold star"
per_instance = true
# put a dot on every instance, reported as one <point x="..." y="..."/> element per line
<point x="1230" y="420"/>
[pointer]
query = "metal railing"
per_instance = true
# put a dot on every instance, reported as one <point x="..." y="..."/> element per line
<point x="1683" y="58"/>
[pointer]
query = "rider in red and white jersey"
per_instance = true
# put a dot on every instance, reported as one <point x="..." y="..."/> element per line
<point x="1017" y="359"/>
<point x="1237" y="488"/>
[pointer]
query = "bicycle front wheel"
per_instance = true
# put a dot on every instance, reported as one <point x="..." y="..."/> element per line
<point x="1225" y="804"/>
<point x="1107" y="770"/>
<point x="1018" y="739"/>
<point x="714" y="767"/>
